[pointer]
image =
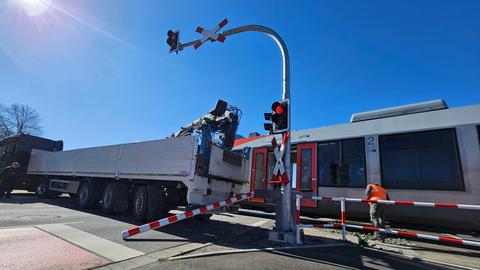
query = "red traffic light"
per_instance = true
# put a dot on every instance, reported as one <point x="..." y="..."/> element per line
<point x="278" y="108"/>
<point x="280" y="116"/>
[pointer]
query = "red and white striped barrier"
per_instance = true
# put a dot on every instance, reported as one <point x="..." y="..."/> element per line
<point x="446" y="239"/>
<point x="411" y="203"/>
<point x="188" y="214"/>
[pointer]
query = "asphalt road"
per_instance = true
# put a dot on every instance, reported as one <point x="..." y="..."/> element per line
<point x="322" y="258"/>
<point x="25" y="211"/>
<point x="54" y="234"/>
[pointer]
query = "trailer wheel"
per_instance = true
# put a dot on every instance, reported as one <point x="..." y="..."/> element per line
<point x="41" y="190"/>
<point x="140" y="204"/>
<point x="85" y="198"/>
<point x="107" y="199"/>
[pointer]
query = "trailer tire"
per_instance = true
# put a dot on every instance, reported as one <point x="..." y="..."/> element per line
<point x="140" y="204"/>
<point x="107" y="199"/>
<point x="85" y="198"/>
<point x="41" y="190"/>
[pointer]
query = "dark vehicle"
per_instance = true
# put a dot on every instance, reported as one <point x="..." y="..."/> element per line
<point x="14" y="157"/>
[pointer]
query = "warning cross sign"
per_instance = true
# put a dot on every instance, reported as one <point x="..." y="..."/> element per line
<point x="279" y="175"/>
<point x="210" y="35"/>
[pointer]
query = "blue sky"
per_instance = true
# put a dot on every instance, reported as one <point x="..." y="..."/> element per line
<point x="99" y="72"/>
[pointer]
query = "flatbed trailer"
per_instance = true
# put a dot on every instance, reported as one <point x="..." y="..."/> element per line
<point x="156" y="175"/>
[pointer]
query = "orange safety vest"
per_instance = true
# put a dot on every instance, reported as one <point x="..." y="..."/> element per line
<point x="377" y="193"/>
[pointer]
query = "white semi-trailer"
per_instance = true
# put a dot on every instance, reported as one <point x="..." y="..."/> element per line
<point x="193" y="167"/>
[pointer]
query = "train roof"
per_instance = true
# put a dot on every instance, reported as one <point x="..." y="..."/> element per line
<point x="425" y="119"/>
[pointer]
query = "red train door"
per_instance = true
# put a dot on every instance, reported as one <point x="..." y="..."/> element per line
<point x="258" y="179"/>
<point x="307" y="172"/>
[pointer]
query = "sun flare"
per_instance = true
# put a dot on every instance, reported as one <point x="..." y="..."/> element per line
<point x="34" y="7"/>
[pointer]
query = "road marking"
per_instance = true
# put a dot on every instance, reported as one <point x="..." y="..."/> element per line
<point x="268" y="249"/>
<point x="24" y="226"/>
<point x="105" y="248"/>
<point x="259" y="223"/>
<point x="153" y="257"/>
<point x="248" y="228"/>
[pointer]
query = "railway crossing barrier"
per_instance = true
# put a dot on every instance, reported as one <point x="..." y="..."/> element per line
<point x="188" y="214"/>
<point x="343" y="225"/>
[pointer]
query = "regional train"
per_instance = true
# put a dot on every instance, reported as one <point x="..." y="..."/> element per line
<point x="423" y="152"/>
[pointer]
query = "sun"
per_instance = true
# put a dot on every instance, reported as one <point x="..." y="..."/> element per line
<point x="34" y="7"/>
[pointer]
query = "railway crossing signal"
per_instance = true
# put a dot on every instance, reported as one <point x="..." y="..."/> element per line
<point x="173" y="40"/>
<point x="279" y="175"/>
<point x="280" y="122"/>
<point x="210" y="35"/>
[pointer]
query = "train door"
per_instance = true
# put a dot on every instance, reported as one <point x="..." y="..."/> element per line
<point x="258" y="179"/>
<point x="307" y="172"/>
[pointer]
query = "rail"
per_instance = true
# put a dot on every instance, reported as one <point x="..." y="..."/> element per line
<point x="343" y="225"/>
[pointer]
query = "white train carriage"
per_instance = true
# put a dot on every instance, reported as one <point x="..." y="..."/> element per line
<point x="420" y="152"/>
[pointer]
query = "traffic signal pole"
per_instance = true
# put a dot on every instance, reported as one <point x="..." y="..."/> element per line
<point x="285" y="225"/>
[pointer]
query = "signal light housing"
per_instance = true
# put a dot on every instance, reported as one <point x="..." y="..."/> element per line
<point x="173" y="40"/>
<point x="280" y="116"/>
<point x="268" y="127"/>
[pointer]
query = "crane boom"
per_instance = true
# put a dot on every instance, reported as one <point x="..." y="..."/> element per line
<point x="218" y="127"/>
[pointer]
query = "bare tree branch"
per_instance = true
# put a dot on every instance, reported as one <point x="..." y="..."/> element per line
<point x="4" y="123"/>
<point x="18" y="118"/>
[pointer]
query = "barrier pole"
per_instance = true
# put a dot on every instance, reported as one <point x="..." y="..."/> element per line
<point x="342" y="217"/>
<point x="410" y="234"/>
<point x="410" y="203"/>
<point x="188" y="214"/>
<point x="298" y="227"/>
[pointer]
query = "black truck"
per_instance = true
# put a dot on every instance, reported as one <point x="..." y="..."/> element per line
<point x="14" y="157"/>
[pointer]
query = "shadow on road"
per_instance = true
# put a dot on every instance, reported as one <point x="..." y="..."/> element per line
<point x="354" y="257"/>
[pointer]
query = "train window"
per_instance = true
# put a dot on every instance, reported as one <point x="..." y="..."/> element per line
<point x="353" y="162"/>
<point x="342" y="163"/>
<point x="306" y="170"/>
<point x="421" y="160"/>
<point x="259" y="168"/>
<point x="271" y="164"/>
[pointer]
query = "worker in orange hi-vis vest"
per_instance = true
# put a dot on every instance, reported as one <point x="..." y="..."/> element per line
<point x="377" y="211"/>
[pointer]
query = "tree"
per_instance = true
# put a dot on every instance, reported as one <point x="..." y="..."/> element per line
<point x="19" y="118"/>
